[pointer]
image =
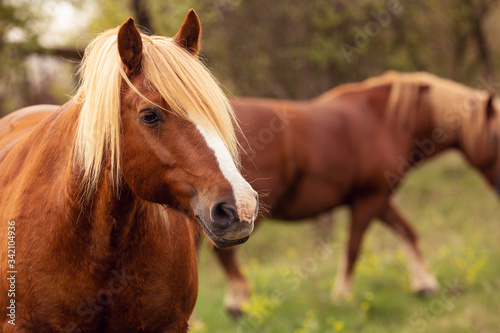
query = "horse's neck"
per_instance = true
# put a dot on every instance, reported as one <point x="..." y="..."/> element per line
<point x="430" y="137"/>
<point x="109" y="216"/>
<point x="412" y="117"/>
<point x="131" y="217"/>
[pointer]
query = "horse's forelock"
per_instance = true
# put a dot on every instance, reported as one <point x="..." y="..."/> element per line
<point x="189" y="88"/>
<point x="181" y="79"/>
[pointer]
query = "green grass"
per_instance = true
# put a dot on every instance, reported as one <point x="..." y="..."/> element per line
<point x="456" y="216"/>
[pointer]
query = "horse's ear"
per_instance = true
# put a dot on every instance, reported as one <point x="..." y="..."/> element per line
<point x="490" y="108"/>
<point x="189" y="34"/>
<point x="130" y="46"/>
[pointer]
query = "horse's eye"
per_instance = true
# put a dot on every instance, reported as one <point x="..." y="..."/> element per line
<point x="149" y="116"/>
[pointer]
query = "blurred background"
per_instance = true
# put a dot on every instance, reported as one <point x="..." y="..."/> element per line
<point x="296" y="49"/>
<point x="283" y="48"/>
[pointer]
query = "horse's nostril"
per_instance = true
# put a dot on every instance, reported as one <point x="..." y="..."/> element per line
<point x="223" y="214"/>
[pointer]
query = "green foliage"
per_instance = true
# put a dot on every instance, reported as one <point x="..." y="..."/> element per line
<point x="111" y="14"/>
<point x="298" y="49"/>
<point x="293" y="48"/>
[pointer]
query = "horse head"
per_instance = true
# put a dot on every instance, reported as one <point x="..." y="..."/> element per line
<point x="485" y="155"/>
<point x="172" y="141"/>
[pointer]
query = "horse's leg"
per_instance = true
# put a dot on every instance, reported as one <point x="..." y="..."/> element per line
<point x="421" y="280"/>
<point x="363" y="210"/>
<point x="238" y="289"/>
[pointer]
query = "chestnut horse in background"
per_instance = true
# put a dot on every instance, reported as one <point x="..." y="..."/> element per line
<point x="100" y="200"/>
<point x="353" y="145"/>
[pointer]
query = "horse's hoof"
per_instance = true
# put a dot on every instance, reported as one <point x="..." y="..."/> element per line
<point x="425" y="292"/>
<point x="341" y="293"/>
<point x="235" y="313"/>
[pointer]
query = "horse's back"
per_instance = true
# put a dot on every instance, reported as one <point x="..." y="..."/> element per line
<point x="17" y="124"/>
<point x="25" y="118"/>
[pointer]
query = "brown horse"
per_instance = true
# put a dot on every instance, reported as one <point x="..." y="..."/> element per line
<point x="100" y="200"/>
<point x="353" y="145"/>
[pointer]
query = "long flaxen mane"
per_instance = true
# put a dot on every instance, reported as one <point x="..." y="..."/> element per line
<point x="455" y="107"/>
<point x="182" y="80"/>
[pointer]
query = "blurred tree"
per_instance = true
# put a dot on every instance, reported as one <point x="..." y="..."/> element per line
<point x="26" y="74"/>
<point x="297" y="49"/>
<point x="289" y="48"/>
<point x="479" y="10"/>
<point x="13" y="26"/>
<point x="142" y="14"/>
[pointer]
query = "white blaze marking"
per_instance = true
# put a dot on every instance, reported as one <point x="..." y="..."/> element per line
<point x="243" y="192"/>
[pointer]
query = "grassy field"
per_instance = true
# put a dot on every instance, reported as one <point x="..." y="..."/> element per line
<point x="291" y="273"/>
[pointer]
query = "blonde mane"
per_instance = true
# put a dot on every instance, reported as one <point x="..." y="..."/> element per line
<point x="182" y="80"/>
<point x="455" y="107"/>
<point x="459" y="110"/>
<point x="386" y="78"/>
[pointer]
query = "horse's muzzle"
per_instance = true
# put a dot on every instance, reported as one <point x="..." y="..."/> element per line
<point x="223" y="222"/>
